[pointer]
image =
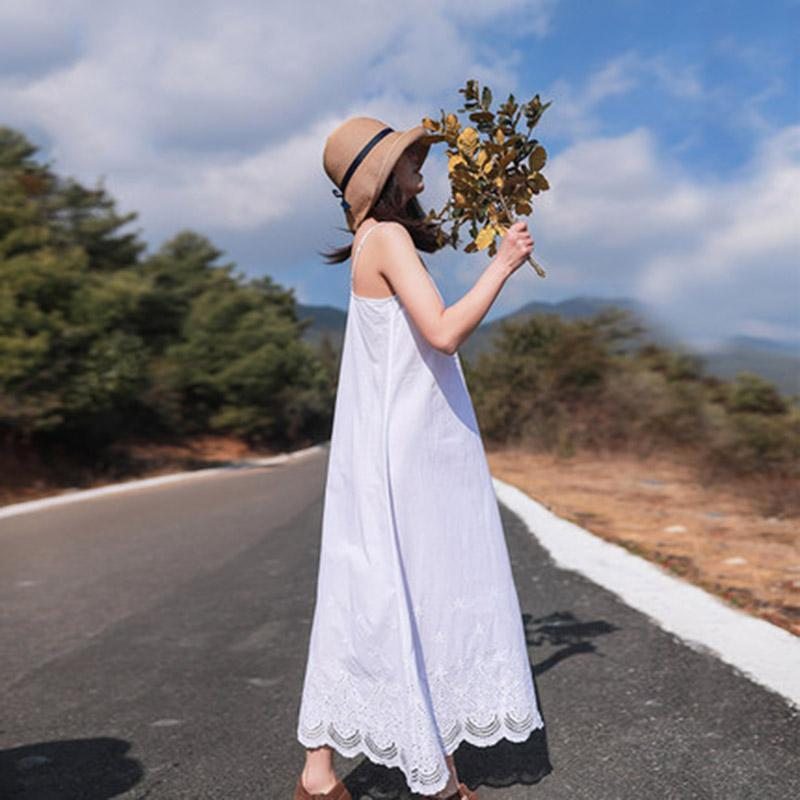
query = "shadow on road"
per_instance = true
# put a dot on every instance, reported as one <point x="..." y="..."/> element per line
<point x="562" y="629"/>
<point x="74" y="768"/>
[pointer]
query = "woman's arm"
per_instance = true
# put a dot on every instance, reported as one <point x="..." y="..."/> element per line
<point x="446" y="327"/>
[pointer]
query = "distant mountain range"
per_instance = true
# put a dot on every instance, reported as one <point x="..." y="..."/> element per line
<point x="571" y="309"/>
<point x="775" y="361"/>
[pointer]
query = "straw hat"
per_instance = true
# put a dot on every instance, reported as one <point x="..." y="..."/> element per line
<point x="358" y="157"/>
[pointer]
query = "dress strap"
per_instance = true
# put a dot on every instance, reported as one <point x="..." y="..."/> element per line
<point x="358" y="250"/>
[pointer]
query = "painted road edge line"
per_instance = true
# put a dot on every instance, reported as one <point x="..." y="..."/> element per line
<point x="85" y="494"/>
<point x="765" y="653"/>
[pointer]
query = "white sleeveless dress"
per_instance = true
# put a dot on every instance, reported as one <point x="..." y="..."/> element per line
<point x="417" y="642"/>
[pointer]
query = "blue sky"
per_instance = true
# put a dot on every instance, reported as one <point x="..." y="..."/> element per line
<point x="673" y="135"/>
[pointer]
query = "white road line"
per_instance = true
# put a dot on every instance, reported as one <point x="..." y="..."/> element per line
<point x="126" y="486"/>
<point x="765" y="653"/>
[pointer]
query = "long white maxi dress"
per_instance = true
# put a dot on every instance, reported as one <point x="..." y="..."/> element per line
<point x="417" y="642"/>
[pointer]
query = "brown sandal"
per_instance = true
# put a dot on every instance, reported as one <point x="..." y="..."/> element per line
<point x="339" y="792"/>
<point x="462" y="793"/>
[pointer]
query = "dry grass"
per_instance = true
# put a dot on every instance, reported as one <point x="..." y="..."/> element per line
<point x="27" y="476"/>
<point x="659" y="508"/>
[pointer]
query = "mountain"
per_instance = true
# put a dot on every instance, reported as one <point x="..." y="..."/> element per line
<point x="325" y="321"/>
<point x="580" y="307"/>
<point x="775" y="361"/>
<point x="764" y="345"/>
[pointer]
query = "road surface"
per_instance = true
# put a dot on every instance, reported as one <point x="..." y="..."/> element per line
<point x="153" y="645"/>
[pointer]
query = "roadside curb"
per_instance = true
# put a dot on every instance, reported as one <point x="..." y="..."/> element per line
<point x="84" y="494"/>
<point x="765" y="653"/>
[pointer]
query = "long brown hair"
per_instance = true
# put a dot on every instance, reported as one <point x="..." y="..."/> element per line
<point x="389" y="208"/>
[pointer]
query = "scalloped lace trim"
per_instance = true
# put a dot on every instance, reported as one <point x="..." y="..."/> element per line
<point x="480" y="704"/>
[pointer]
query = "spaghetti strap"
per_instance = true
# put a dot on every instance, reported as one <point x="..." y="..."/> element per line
<point x="358" y="250"/>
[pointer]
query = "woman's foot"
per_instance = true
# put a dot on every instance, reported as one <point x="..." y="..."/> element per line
<point x="338" y="791"/>
<point x="318" y="779"/>
<point x="318" y="782"/>
<point x="455" y="789"/>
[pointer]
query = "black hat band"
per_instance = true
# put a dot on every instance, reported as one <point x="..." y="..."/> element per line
<point x="357" y="160"/>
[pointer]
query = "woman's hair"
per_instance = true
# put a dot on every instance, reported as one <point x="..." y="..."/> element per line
<point x="389" y="208"/>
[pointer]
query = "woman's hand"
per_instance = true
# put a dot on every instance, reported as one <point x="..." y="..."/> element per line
<point x="515" y="246"/>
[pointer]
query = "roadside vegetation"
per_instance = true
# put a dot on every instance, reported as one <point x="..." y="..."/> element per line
<point x="597" y="384"/>
<point x="103" y="343"/>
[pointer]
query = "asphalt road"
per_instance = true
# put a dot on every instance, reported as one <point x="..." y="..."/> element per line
<point x="152" y="645"/>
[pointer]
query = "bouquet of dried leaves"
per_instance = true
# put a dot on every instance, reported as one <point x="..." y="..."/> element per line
<point x="494" y="170"/>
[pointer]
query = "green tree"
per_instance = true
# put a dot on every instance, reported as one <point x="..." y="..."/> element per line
<point x="241" y="367"/>
<point x="70" y="354"/>
<point x="751" y="393"/>
<point x="98" y="341"/>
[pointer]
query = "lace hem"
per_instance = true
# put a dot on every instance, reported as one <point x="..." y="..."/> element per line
<point x="392" y="725"/>
<point x="502" y="726"/>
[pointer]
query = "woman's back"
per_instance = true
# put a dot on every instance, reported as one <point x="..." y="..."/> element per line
<point x="367" y="272"/>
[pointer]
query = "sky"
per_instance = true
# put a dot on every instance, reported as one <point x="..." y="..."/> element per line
<point x="673" y="137"/>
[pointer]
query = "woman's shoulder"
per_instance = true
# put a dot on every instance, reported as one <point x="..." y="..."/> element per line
<point x="368" y="223"/>
<point x="393" y="232"/>
<point x="384" y="234"/>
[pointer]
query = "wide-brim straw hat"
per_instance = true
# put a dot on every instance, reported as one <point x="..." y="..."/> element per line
<point x="359" y="156"/>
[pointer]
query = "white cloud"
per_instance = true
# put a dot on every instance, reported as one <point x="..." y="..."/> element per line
<point x="576" y="112"/>
<point x="214" y="116"/>
<point x="36" y="35"/>
<point x="717" y="258"/>
<point x="753" y="220"/>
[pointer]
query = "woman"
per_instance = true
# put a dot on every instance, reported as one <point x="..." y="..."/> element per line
<point x="417" y="641"/>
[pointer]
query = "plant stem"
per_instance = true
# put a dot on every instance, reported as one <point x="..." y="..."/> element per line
<point x="512" y="219"/>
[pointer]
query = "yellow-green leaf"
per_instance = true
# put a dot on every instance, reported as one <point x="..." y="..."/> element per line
<point x="485" y="237"/>
<point x="467" y="140"/>
<point x="537" y="158"/>
<point x="454" y="160"/>
<point x="541" y="182"/>
<point x="506" y="159"/>
<point x="481" y="116"/>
